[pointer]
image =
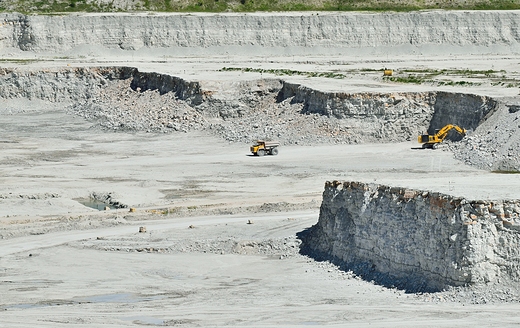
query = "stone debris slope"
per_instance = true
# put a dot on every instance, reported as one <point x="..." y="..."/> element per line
<point x="126" y="100"/>
<point x="268" y="109"/>
<point x="495" y="144"/>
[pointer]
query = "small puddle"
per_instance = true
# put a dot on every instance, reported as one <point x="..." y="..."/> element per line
<point x="95" y="204"/>
<point x="24" y="306"/>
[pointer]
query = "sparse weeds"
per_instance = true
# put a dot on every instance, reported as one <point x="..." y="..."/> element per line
<point x="506" y="172"/>
<point x="458" y="83"/>
<point x="287" y="72"/>
<point x="55" y="6"/>
<point x="21" y="61"/>
<point x="453" y="77"/>
<point x="444" y="77"/>
<point x="414" y="79"/>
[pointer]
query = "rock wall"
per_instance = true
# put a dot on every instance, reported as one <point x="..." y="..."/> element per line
<point x="268" y="108"/>
<point x="416" y="240"/>
<point x="84" y="84"/>
<point x="267" y="33"/>
<point x="388" y="114"/>
<point x="465" y="110"/>
<point x="495" y="144"/>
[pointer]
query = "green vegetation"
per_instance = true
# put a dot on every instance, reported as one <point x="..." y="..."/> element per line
<point x="506" y="172"/>
<point x="18" y="61"/>
<point x="414" y="79"/>
<point x="287" y="72"/>
<point x="58" y="6"/>
<point x="443" y="77"/>
<point x="466" y="72"/>
<point x="453" y="77"/>
<point x="55" y="6"/>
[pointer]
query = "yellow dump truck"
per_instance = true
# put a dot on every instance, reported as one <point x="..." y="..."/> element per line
<point x="261" y="148"/>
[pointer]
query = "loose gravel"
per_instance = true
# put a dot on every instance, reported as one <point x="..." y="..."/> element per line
<point x="245" y="115"/>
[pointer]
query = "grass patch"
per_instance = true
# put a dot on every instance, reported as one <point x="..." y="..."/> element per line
<point x="287" y="72"/>
<point x="414" y="79"/>
<point x="465" y="72"/>
<point x="18" y="61"/>
<point x="411" y="76"/>
<point x="506" y="172"/>
<point x="455" y="77"/>
<point x="457" y="83"/>
<point x="217" y="6"/>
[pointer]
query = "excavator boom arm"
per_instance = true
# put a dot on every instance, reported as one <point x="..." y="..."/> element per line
<point x="441" y="134"/>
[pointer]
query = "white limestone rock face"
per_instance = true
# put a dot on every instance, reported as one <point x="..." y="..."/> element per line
<point x="416" y="240"/>
<point x="267" y="33"/>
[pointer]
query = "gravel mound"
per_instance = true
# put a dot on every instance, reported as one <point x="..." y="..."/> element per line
<point x="120" y="108"/>
<point x="495" y="144"/>
<point x="498" y="293"/>
<point x="282" y="247"/>
<point x="255" y="115"/>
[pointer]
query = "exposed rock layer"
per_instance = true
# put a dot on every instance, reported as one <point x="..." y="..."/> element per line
<point x="124" y="98"/>
<point x="421" y="241"/>
<point x="288" y="33"/>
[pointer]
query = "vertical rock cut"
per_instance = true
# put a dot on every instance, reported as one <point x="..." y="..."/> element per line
<point x="416" y="240"/>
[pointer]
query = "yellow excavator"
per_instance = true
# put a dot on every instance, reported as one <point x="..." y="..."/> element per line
<point x="432" y="141"/>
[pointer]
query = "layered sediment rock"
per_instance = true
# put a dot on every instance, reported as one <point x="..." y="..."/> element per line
<point x="263" y="34"/>
<point x="416" y="240"/>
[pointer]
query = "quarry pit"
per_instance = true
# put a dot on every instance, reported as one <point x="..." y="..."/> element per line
<point x="118" y="109"/>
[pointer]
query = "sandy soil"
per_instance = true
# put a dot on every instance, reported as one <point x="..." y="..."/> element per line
<point x="64" y="264"/>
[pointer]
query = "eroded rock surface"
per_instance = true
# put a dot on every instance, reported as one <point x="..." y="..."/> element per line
<point x="291" y="33"/>
<point x="416" y="240"/>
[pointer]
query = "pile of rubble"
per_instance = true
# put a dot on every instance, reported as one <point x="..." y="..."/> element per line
<point x="118" y="107"/>
<point x="495" y="144"/>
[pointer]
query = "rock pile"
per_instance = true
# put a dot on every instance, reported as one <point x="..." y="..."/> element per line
<point x="495" y="144"/>
<point x="263" y="109"/>
<point x="118" y="107"/>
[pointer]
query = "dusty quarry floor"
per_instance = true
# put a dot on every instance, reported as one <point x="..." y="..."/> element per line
<point x="199" y="263"/>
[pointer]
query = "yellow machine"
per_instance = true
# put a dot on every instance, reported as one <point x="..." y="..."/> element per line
<point x="261" y="148"/>
<point x="431" y="141"/>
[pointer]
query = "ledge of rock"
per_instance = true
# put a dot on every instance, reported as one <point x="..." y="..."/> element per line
<point x="416" y="240"/>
